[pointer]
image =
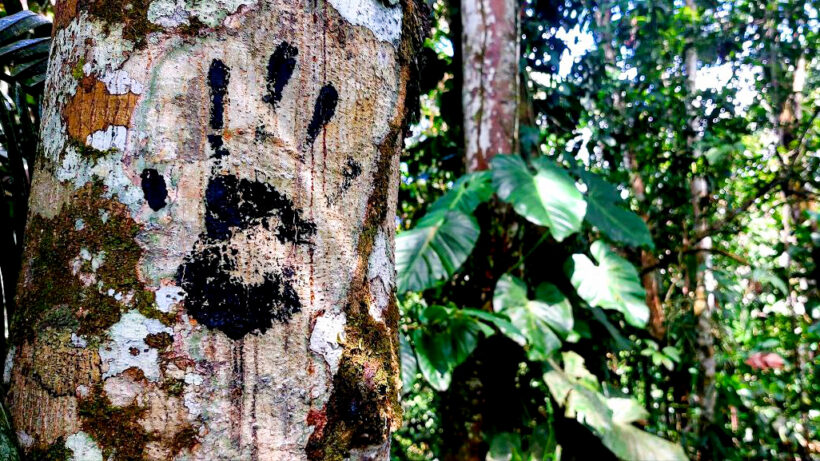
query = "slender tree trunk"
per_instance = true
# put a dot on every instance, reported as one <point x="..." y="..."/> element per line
<point x="490" y="92"/>
<point x="489" y="97"/>
<point x="650" y="278"/>
<point x="702" y="279"/>
<point x="208" y="271"/>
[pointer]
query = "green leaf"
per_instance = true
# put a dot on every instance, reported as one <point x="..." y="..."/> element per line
<point x="446" y="339"/>
<point x="628" y="442"/>
<point x="409" y="364"/>
<point x="503" y="324"/>
<point x="538" y="320"/>
<point x="434" y="250"/>
<point x="606" y="212"/>
<point x="505" y="446"/>
<point x="611" y="284"/>
<point x="577" y="390"/>
<point x="19" y="23"/>
<point x="442" y="239"/>
<point x="547" y="198"/>
<point x="467" y="193"/>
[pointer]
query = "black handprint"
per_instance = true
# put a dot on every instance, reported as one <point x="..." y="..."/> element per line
<point x="216" y="297"/>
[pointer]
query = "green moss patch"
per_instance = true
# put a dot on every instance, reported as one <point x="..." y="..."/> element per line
<point x="116" y="429"/>
<point x="94" y="236"/>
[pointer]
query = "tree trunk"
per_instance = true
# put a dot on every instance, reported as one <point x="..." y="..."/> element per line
<point x="702" y="278"/>
<point x="208" y="271"/>
<point x="490" y="93"/>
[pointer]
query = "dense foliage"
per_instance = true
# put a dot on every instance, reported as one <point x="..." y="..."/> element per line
<point x="527" y="333"/>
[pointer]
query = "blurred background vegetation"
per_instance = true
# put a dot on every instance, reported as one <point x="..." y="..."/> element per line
<point x="526" y="331"/>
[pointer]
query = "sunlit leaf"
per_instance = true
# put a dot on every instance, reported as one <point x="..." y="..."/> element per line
<point x="443" y="239"/>
<point x="610" y="418"/>
<point x="409" y="364"/>
<point x="612" y="283"/>
<point x="547" y="198"/>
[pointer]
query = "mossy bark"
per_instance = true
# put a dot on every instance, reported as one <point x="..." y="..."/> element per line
<point x="208" y="271"/>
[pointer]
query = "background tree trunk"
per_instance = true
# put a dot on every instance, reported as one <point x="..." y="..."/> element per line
<point x="701" y="278"/>
<point x="208" y="269"/>
<point x="489" y="41"/>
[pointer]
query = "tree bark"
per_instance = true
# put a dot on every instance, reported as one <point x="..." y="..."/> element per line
<point x="702" y="278"/>
<point x="490" y="92"/>
<point x="208" y="271"/>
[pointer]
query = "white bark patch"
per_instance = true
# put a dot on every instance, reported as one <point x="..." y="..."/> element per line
<point x="173" y="13"/>
<point x="83" y="447"/>
<point x="381" y="274"/>
<point x="383" y="21"/>
<point x="126" y="336"/>
<point x="119" y="82"/>
<point x="327" y="337"/>
<point x="25" y="440"/>
<point x="8" y="365"/>
<point x="113" y="137"/>
<point x="168" y="296"/>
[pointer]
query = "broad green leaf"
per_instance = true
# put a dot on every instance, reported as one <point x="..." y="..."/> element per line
<point x="538" y="320"/>
<point x="409" y="364"/>
<point x="434" y="250"/>
<point x="606" y="212"/>
<point x="505" y="447"/>
<point x="547" y="198"/>
<point x="442" y="239"/>
<point x="612" y="283"/>
<point x="467" y="193"/>
<point x="630" y="443"/>
<point x="504" y="325"/>
<point x="447" y="338"/>
<point x="577" y="390"/>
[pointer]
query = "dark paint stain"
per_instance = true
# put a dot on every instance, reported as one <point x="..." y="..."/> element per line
<point x="280" y="69"/>
<point x="351" y="171"/>
<point x="216" y="296"/>
<point x="233" y="203"/>
<point x="323" y="111"/>
<point x="223" y="301"/>
<point x="218" y="146"/>
<point x="218" y="77"/>
<point x="153" y="188"/>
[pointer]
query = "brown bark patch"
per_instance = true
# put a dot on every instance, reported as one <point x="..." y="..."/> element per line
<point x="52" y="354"/>
<point x="93" y="109"/>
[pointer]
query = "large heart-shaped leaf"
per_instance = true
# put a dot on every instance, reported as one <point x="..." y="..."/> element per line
<point x="434" y="250"/>
<point x="444" y="238"/>
<point x="610" y="418"/>
<point x="447" y="338"/>
<point x="540" y="321"/>
<point x="606" y="212"/>
<point x="611" y="284"/>
<point x="547" y="198"/>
